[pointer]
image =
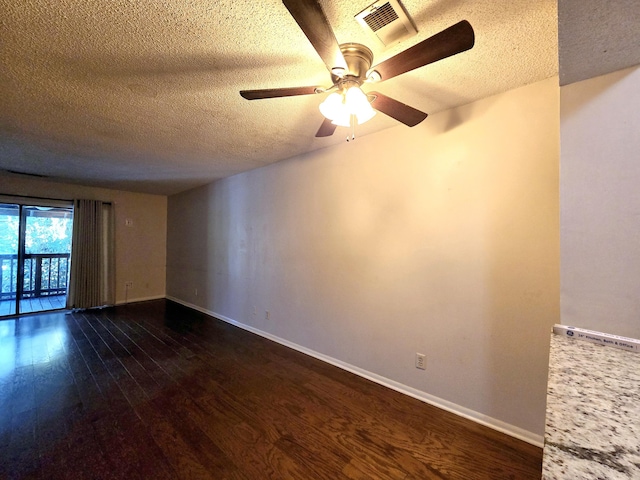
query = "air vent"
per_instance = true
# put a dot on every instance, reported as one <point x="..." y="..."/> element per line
<point x="381" y="17"/>
<point x="387" y="21"/>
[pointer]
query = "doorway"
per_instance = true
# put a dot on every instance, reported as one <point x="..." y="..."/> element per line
<point x="35" y="256"/>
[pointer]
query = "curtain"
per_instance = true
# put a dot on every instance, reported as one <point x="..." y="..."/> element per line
<point x="92" y="280"/>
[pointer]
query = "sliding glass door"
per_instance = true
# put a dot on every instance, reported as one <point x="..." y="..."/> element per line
<point x="35" y="250"/>
<point x="9" y="241"/>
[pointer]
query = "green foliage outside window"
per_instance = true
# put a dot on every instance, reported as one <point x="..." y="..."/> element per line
<point x="44" y="235"/>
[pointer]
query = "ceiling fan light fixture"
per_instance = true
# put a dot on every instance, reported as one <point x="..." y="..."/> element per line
<point x="339" y="107"/>
<point x="359" y="105"/>
<point x="343" y="119"/>
<point x="332" y="106"/>
<point x="365" y="116"/>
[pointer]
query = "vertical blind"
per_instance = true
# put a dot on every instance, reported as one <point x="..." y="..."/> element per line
<point x="92" y="282"/>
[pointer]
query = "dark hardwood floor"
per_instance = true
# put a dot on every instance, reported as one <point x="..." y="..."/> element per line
<point x="157" y="391"/>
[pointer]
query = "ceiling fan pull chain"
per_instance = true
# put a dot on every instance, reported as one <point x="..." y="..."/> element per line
<point x="352" y="123"/>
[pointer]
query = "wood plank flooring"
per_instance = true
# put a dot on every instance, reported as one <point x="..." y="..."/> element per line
<point x="157" y="391"/>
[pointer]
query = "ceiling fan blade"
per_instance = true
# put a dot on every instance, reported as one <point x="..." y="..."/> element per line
<point x="277" y="92"/>
<point x="398" y="110"/>
<point x="313" y="22"/>
<point x="451" y="41"/>
<point x="326" y="129"/>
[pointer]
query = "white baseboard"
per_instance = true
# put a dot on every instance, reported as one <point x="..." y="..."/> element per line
<point x="506" y="428"/>
<point x="142" y="299"/>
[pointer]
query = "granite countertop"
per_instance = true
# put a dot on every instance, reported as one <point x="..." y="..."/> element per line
<point x="593" y="412"/>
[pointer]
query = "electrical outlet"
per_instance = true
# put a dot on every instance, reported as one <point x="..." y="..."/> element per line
<point x="421" y="361"/>
<point x="266" y="315"/>
<point x="128" y="285"/>
<point x="196" y="292"/>
<point x="255" y="310"/>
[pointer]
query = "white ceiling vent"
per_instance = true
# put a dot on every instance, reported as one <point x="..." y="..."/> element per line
<point x="387" y="20"/>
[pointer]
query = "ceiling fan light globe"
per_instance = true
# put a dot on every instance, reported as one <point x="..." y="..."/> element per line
<point x="365" y="116"/>
<point x="359" y="105"/>
<point x="332" y="106"/>
<point x="355" y="97"/>
<point x="343" y="119"/>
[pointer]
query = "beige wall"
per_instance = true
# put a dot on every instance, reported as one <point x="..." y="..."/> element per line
<point x="441" y="239"/>
<point x="140" y="249"/>
<point x="600" y="206"/>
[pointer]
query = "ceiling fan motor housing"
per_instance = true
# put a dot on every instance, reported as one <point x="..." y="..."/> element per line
<point x="358" y="58"/>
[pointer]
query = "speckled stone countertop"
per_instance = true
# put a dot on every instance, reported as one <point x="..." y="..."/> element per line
<point x="593" y="412"/>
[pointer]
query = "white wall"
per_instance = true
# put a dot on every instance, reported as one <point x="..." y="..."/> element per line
<point x="600" y="203"/>
<point x="140" y="249"/>
<point x="441" y="239"/>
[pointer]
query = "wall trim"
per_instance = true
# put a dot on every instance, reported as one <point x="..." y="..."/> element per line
<point x="495" y="424"/>
<point x="143" y="299"/>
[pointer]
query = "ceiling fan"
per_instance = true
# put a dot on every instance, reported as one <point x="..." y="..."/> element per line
<point x="350" y="67"/>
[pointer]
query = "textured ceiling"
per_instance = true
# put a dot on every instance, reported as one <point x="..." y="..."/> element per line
<point x="142" y="95"/>
<point x="597" y="37"/>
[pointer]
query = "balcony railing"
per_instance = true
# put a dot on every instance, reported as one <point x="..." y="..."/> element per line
<point x="45" y="274"/>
